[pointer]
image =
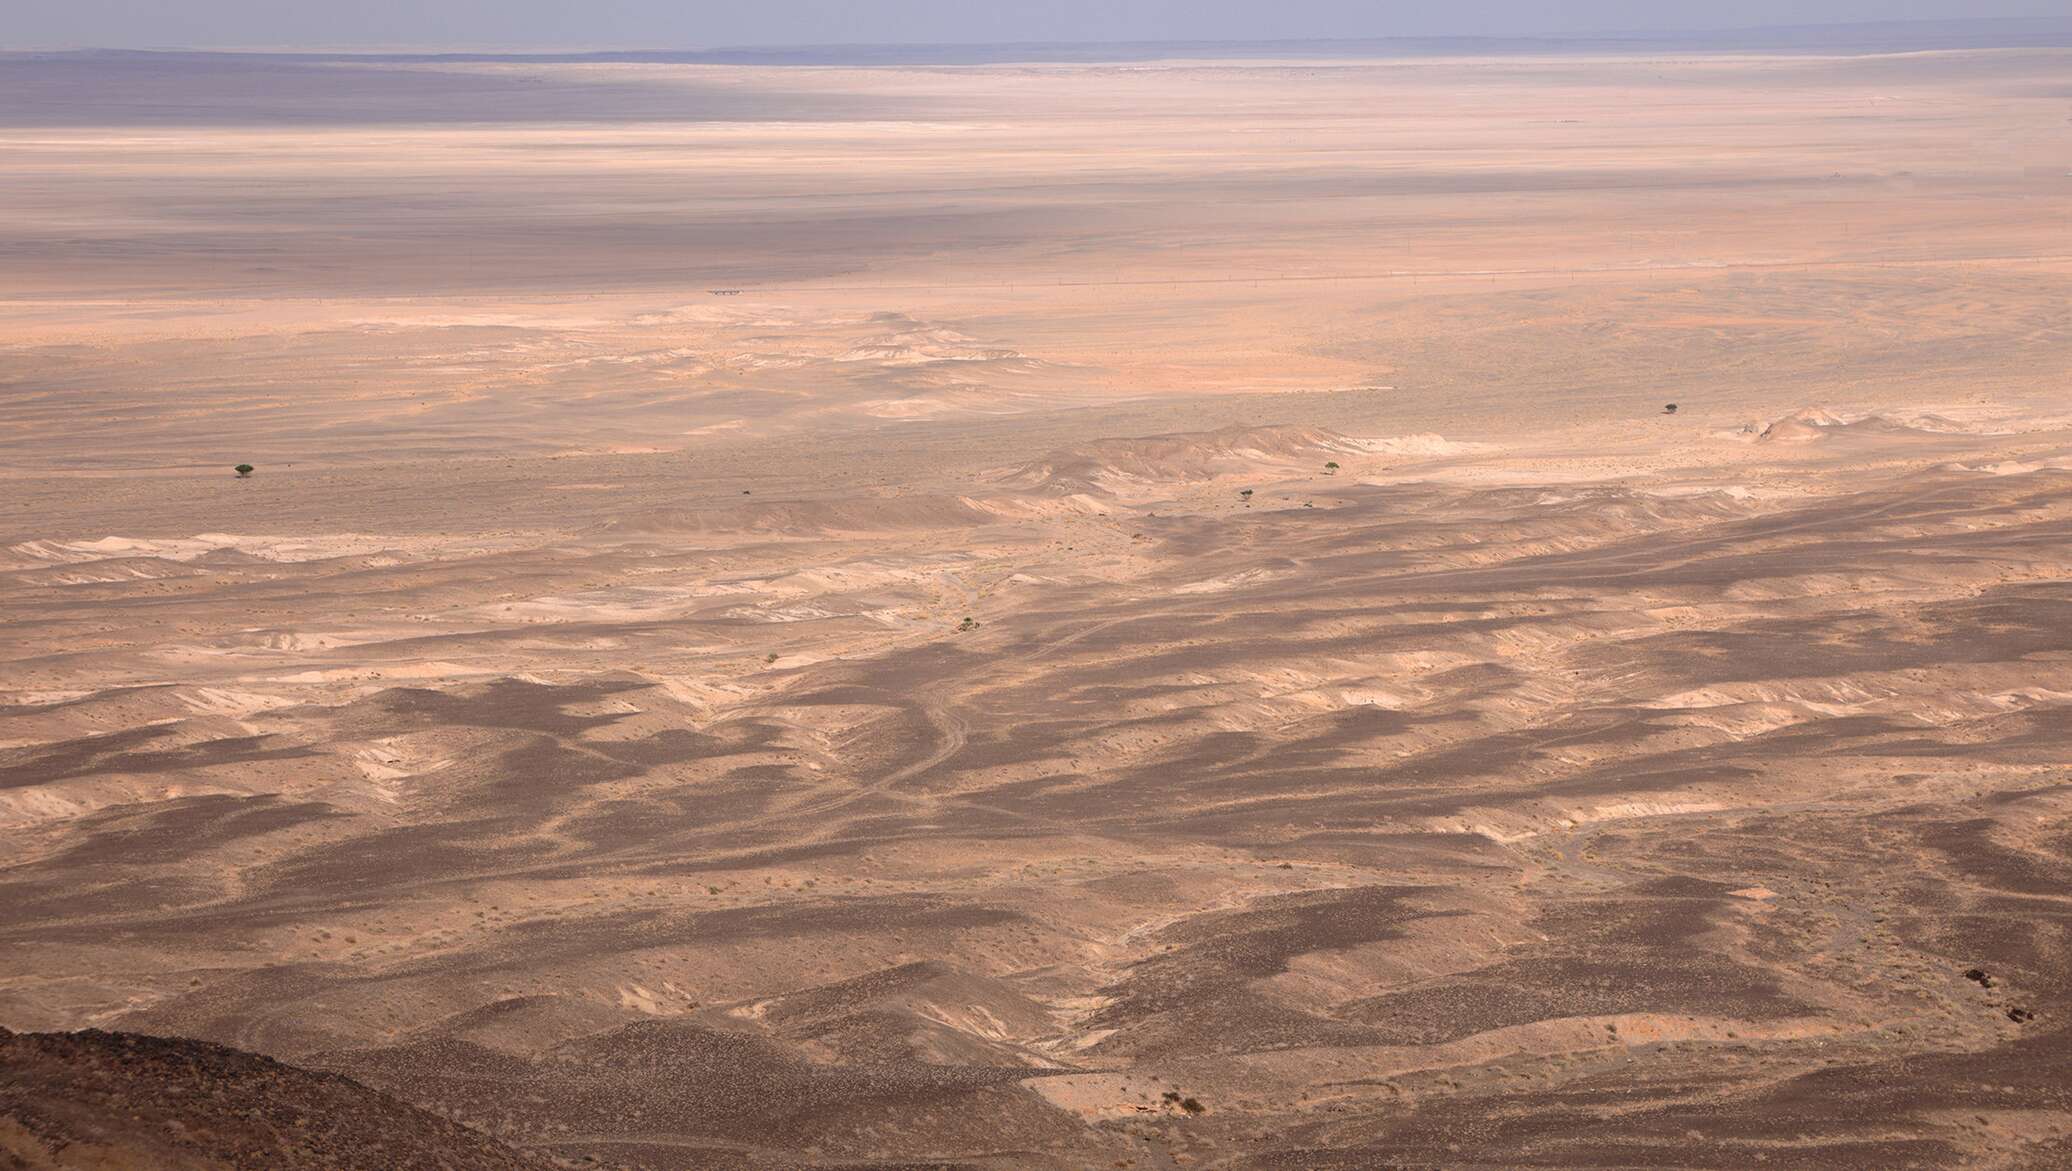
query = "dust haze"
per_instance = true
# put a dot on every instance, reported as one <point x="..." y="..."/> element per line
<point x="1425" y="610"/>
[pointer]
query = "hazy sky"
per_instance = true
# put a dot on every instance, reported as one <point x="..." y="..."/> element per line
<point x="712" y="23"/>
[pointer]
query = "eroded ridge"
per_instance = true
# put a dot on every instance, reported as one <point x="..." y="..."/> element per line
<point x="1411" y="822"/>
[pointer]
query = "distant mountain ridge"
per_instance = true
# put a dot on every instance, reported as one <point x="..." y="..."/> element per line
<point x="1894" y="36"/>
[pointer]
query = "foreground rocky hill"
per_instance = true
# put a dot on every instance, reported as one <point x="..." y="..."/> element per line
<point x="97" y="1101"/>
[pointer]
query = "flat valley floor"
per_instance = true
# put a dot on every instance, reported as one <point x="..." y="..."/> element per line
<point x="1047" y="616"/>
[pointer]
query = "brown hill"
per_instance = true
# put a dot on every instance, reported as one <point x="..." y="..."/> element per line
<point x="121" y="1101"/>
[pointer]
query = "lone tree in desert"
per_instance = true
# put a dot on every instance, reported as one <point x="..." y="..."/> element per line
<point x="1331" y="467"/>
<point x="1669" y="408"/>
<point x="242" y="470"/>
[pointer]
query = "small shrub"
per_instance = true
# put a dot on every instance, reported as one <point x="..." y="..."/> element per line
<point x="1190" y="1105"/>
<point x="968" y="624"/>
<point x="1669" y="409"/>
<point x="1331" y="468"/>
<point x="242" y="470"/>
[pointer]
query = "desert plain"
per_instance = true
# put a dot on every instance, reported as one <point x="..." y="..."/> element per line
<point x="1048" y="614"/>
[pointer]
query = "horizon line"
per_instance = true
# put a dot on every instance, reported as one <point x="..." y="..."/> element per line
<point x="2055" y="28"/>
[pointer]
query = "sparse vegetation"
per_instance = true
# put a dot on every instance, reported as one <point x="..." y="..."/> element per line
<point x="771" y="657"/>
<point x="1188" y="1105"/>
<point x="1669" y="409"/>
<point x="967" y="625"/>
<point x="1331" y="467"/>
<point x="243" y="470"/>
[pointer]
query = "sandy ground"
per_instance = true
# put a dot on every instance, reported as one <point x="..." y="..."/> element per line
<point x="1058" y="615"/>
